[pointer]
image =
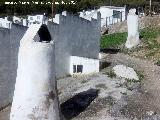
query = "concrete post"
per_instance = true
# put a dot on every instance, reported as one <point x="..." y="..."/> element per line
<point x="133" y="34"/>
<point x="35" y="95"/>
<point x="24" y="22"/>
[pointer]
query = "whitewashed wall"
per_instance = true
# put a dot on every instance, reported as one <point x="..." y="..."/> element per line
<point x="38" y="19"/>
<point x="5" y="23"/>
<point x="89" y="65"/>
<point x="106" y="11"/>
<point x="16" y="19"/>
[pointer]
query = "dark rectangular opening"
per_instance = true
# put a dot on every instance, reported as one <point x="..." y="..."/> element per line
<point x="74" y="69"/>
<point x="79" y="68"/>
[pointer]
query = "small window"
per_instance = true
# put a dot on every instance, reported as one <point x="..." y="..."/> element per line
<point x="74" y="69"/>
<point x="31" y="18"/>
<point x="77" y="68"/>
<point x="116" y="14"/>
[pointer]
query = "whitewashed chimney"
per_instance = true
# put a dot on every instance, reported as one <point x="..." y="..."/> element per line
<point x="35" y="95"/>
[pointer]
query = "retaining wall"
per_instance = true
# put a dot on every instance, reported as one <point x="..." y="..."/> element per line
<point x="9" y="45"/>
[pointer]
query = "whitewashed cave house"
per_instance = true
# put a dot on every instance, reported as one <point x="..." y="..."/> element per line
<point x="109" y="14"/>
<point x="36" y="19"/>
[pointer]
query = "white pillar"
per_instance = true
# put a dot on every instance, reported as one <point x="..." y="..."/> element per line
<point x="35" y="95"/>
<point x="133" y="32"/>
<point x="24" y="22"/>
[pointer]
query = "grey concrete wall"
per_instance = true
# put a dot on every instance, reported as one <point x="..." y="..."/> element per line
<point x="74" y="36"/>
<point x="5" y="83"/>
<point x="9" y="45"/>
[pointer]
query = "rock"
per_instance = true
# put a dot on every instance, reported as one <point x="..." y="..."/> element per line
<point x="125" y="72"/>
<point x="150" y="113"/>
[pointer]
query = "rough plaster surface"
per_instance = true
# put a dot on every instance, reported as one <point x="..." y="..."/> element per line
<point x="126" y="72"/>
<point x="35" y="95"/>
<point x="133" y="33"/>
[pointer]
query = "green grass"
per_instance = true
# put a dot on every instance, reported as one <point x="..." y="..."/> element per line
<point x="113" y="40"/>
<point x="149" y="36"/>
<point x="111" y="74"/>
<point x="149" y="49"/>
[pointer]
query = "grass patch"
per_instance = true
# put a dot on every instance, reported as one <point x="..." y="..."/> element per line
<point x="140" y="75"/>
<point x="150" y="46"/>
<point x="111" y="74"/>
<point x="113" y="40"/>
<point x="132" y="80"/>
<point x="149" y="36"/>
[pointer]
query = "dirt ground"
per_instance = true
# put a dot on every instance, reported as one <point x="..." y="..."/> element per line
<point x="115" y="100"/>
<point x="151" y="87"/>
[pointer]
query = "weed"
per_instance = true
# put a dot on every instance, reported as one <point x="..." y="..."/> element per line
<point x="111" y="74"/>
<point x="123" y="93"/>
<point x="140" y="75"/>
<point x="158" y="63"/>
<point x="110" y="100"/>
<point x="84" y="81"/>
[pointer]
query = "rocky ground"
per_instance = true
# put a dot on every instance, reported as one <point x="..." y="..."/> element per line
<point x="104" y="96"/>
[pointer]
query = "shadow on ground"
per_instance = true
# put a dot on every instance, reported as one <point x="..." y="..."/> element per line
<point x="104" y="64"/>
<point x="110" y="50"/>
<point x="77" y="104"/>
